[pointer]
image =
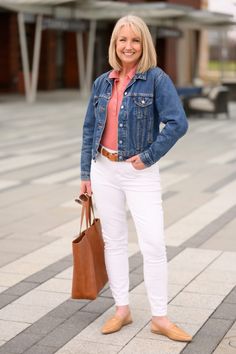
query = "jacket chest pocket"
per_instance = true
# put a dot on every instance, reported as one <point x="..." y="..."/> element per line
<point x="142" y="106"/>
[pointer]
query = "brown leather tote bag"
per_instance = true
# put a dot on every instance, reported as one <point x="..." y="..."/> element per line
<point x="89" y="271"/>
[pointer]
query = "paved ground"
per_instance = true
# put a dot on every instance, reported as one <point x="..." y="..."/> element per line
<point x="39" y="178"/>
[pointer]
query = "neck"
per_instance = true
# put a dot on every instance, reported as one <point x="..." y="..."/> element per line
<point x="126" y="69"/>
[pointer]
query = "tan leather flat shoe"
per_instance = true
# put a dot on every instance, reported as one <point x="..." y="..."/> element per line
<point x="173" y="332"/>
<point x="115" y="323"/>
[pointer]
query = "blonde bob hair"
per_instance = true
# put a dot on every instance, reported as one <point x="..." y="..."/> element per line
<point x="148" y="58"/>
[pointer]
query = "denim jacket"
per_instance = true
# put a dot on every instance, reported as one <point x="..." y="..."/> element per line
<point x="149" y="99"/>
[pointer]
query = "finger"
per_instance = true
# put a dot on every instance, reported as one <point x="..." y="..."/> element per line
<point x="89" y="190"/>
<point x="82" y="189"/>
<point x="131" y="159"/>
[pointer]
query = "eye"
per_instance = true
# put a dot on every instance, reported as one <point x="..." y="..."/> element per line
<point x="136" y="40"/>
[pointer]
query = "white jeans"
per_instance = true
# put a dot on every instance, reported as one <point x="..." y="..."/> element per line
<point x="114" y="184"/>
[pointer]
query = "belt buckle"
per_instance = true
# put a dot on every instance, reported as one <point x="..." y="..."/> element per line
<point x="109" y="155"/>
<point x="102" y="148"/>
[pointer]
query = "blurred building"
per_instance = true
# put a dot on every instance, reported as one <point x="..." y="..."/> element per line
<point x="57" y="44"/>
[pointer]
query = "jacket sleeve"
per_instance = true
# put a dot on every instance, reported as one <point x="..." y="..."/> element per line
<point x="87" y="139"/>
<point x="172" y="115"/>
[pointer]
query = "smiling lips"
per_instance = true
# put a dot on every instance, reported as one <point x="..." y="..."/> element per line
<point x="128" y="53"/>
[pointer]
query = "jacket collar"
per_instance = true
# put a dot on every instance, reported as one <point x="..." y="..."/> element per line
<point x="141" y="76"/>
<point x="115" y="74"/>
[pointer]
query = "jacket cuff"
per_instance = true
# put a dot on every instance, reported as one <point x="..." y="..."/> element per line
<point x="146" y="159"/>
<point x="85" y="176"/>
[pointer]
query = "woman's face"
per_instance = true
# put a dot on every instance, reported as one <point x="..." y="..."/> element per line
<point x="128" y="46"/>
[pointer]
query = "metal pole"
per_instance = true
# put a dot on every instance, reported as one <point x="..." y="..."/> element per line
<point x="36" y="56"/>
<point x="24" y="54"/>
<point x="80" y="59"/>
<point x="91" y="44"/>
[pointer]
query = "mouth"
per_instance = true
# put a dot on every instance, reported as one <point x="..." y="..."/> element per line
<point x="128" y="53"/>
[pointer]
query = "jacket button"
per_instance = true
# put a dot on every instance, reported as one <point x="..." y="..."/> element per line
<point x="121" y="125"/>
<point x="120" y="141"/>
<point x="125" y="93"/>
<point x="122" y="107"/>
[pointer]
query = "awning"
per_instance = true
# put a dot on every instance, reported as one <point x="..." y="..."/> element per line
<point x="154" y="13"/>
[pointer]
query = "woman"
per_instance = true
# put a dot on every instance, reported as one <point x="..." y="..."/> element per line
<point x="122" y="143"/>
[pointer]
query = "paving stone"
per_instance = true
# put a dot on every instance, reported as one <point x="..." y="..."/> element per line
<point x="219" y="240"/>
<point x="106" y="293"/>
<point x="139" y="301"/>
<point x="38" y="349"/>
<point x="20" y="343"/>
<point x="41" y="277"/>
<point x="56" y="285"/>
<point x="214" y="187"/>
<point x="24" y="192"/>
<point x="228" y="349"/>
<point x="225" y="262"/>
<point x="42" y="298"/>
<point x="138" y="270"/>
<point x="228" y="343"/>
<point x="226" y="311"/>
<point x="68" y="308"/>
<point x="20" y="288"/>
<point x="147" y="346"/>
<point x="98" y="305"/>
<point x="218" y="276"/>
<point x="193" y="300"/>
<point x="200" y="238"/>
<point x="22" y="313"/>
<point x="172" y="251"/>
<point x="21" y="267"/>
<point x="86" y="347"/>
<point x="209" y="288"/>
<point x="181" y="277"/>
<point x="168" y="194"/>
<point x="1" y="343"/>
<point x="134" y="280"/>
<point x="8" y="257"/>
<point x="188" y="315"/>
<point x="231" y="298"/>
<point x="44" y="325"/>
<point x="2" y="289"/>
<point x="63" y="333"/>
<point x="20" y="246"/>
<point x="8" y="279"/>
<point x="6" y="299"/>
<point x="81" y="319"/>
<point x="60" y="265"/>
<point x="135" y="261"/>
<point x="208" y="336"/>
<point x="66" y="274"/>
<point x="9" y="329"/>
<point x="194" y="258"/>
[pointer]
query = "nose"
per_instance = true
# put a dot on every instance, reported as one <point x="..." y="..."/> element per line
<point x="128" y="45"/>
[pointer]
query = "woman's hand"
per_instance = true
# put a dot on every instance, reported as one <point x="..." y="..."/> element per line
<point x="136" y="162"/>
<point x="85" y="187"/>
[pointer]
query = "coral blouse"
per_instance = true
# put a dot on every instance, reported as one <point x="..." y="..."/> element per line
<point x="110" y="134"/>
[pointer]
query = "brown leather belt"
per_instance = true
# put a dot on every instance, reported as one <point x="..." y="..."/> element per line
<point x="113" y="156"/>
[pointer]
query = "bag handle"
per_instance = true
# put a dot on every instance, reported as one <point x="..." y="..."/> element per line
<point x="87" y="207"/>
